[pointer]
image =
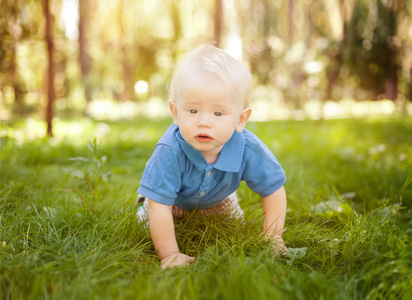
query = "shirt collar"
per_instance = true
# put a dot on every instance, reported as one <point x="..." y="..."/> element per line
<point x="229" y="159"/>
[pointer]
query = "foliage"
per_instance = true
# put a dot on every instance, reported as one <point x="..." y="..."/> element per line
<point x="348" y="224"/>
<point x="304" y="49"/>
<point x="93" y="176"/>
<point x="371" y="51"/>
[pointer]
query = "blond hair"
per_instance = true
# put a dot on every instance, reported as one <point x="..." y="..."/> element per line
<point x="234" y="75"/>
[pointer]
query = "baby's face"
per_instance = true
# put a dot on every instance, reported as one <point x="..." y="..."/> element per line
<point x="207" y="115"/>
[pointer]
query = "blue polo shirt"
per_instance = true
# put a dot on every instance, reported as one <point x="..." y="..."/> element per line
<point x="178" y="174"/>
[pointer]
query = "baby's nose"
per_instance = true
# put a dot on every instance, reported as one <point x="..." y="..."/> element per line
<point x="204" y="121"/>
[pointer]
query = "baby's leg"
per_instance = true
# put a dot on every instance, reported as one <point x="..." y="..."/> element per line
<point x="142" y="213"/>
<point x="235" y="208"/>
<point x="229" y="206"/>
<point x="180" y="213"/>
<point x="143" y="209"/>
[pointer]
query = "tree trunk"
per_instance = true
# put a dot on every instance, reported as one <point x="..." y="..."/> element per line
<point x="177" y="21"/>
<point x="218" y="26"/>
<point x="128" y="91"/>
<point x="391" y="86"/>
<point x="336" y="62"/>
<point x="11" y="31"/>
<point x="50" y="69"/>
<point x="290" y="21"/>
<point x="84" y="57"/>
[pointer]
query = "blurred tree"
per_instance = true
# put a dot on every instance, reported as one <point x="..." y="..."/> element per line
<point x="404" y="39"/>
<point x="84" y="57"/>
<point x="290" y="20"/>
<point x="218" y="24"/>
<point x="335" y="55"/>
<point x="50" y="69"/>
<point x="13" y="31"/>
<point x="355" y="46"/>
<point x="126" y="61"/>
<point x="176" y="21"/>
<point x="333" y="27"/>
<point x="259" y="26"/>
<point x="370" y="51"/>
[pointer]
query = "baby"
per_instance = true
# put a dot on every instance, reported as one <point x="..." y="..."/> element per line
<point x="202" y="158"/>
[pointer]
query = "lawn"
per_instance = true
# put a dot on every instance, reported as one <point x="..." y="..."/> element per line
<point x="68" y="228"/>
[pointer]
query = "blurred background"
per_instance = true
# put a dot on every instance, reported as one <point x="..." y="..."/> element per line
<point x="112" y="59"/>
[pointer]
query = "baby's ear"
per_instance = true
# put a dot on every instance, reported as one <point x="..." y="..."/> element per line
<point x="243" y="118"/>
<point x="173" y="109"/>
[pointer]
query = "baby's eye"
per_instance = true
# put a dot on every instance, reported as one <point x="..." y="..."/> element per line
<point x="218" y="114"/>
<point x="193" y="111"/>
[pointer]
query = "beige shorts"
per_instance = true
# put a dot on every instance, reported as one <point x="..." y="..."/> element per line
<point x="229" y="206"/>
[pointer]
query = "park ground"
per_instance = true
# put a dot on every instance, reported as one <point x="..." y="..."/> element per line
<point x="68" y="228"/>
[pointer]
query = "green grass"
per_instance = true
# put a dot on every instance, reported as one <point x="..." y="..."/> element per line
<point x="66" y="232"/>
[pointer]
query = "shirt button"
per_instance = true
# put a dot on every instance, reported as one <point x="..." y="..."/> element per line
<point x="202" y="193"/>
<point x="208" y="173"/>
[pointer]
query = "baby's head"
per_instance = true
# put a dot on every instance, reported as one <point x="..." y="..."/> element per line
<point x="208" y="60"/>
<point x="209" y="96"/>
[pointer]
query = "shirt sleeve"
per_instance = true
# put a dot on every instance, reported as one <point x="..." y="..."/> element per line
<point x="263" y="173"/>
<point x="161" y="178"/>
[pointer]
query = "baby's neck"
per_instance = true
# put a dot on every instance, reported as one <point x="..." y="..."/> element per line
<point x="210" y="158"/>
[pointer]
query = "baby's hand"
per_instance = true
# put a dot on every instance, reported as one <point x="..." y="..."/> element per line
<point x="175" y="260"/>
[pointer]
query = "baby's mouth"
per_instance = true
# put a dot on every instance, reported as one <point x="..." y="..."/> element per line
<point x="203" y="138"/>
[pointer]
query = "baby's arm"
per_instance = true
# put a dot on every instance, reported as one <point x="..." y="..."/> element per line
<point x="274" y="208"/>
<point x="163" y="236"/>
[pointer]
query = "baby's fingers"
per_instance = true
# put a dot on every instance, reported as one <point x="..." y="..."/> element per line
<point x="176" y="260"/>
<point x="191" y="259"/>
<point x="279" y="246"/>
<point x="280" y="250"/>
